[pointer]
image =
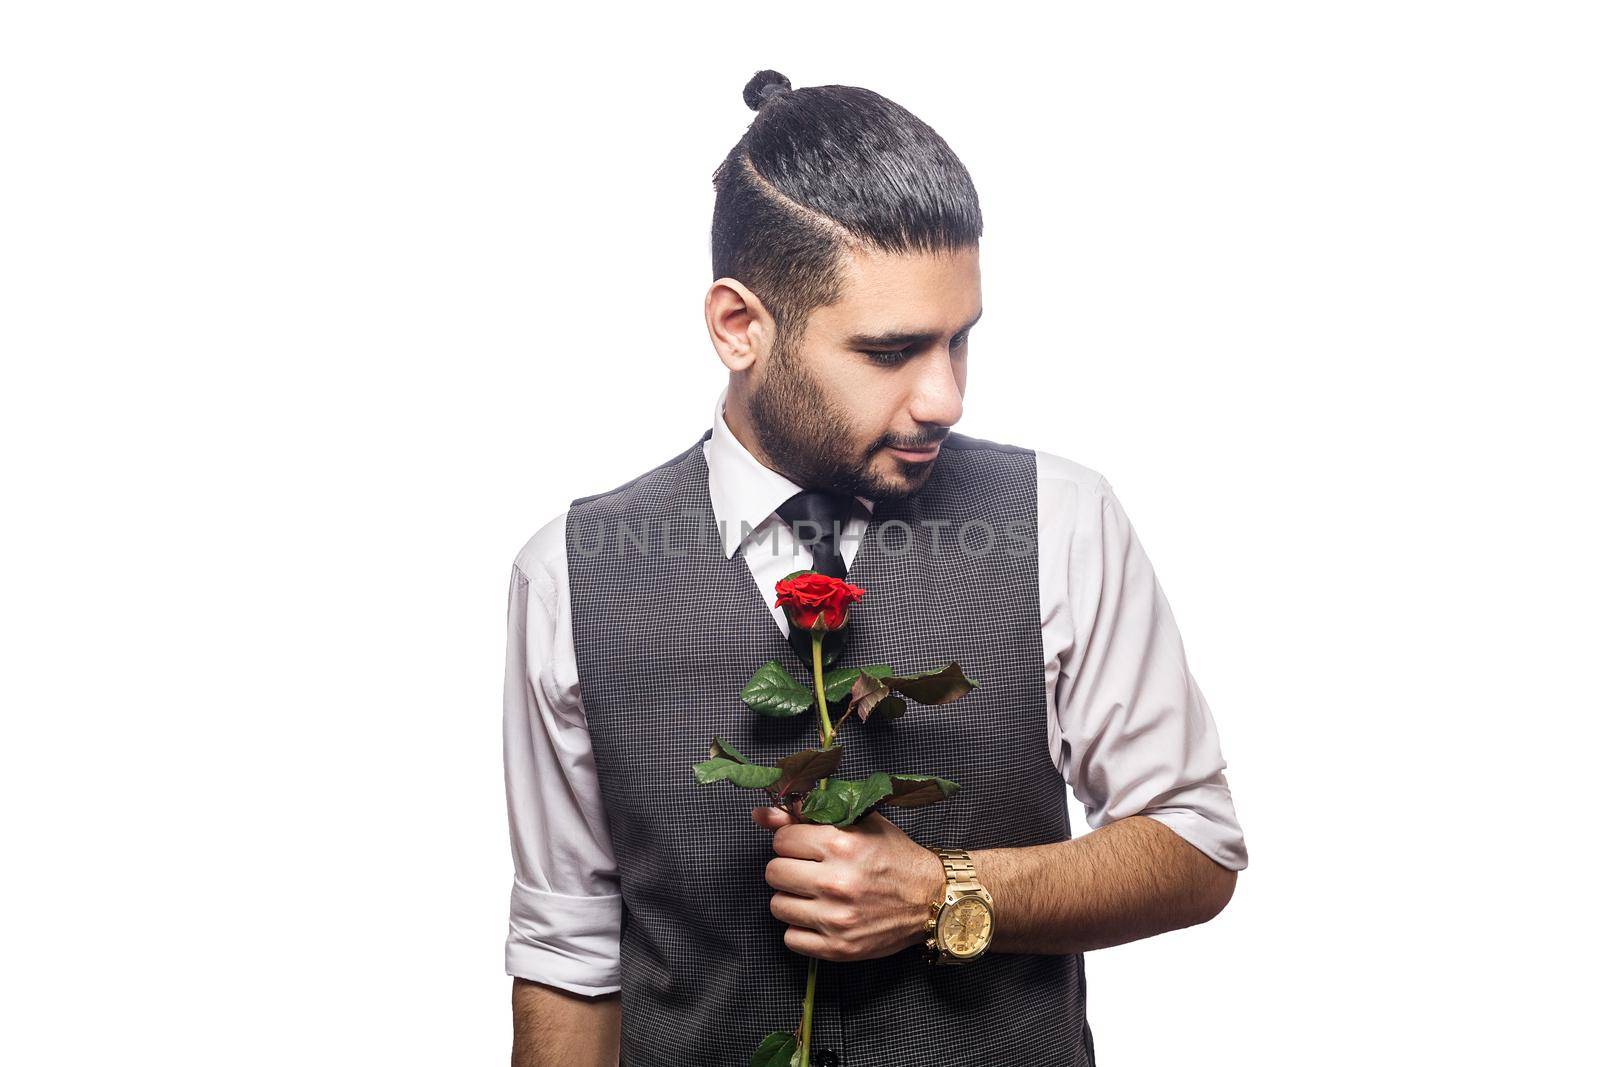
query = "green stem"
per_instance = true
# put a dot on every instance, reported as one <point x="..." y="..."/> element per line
<point x="805" y="1017"/>
<point x="826" y="728"/>
<point x="822" y="694"/>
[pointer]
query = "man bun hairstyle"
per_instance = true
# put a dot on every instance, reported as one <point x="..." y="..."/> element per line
<point x="766" y="84"/>
<point x="823" y="170"/>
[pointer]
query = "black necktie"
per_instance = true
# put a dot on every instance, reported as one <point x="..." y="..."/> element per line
<point x="817" y="518"/>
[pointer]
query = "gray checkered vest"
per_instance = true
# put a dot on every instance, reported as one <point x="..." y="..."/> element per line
<point x="668" y="631"/>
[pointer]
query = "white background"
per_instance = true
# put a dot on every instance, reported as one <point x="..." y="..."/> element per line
<point x="314" y="312"/>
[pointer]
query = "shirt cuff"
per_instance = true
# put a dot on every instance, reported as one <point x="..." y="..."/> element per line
<point x="566" y="941"/>
<point x="1220" y="841"/>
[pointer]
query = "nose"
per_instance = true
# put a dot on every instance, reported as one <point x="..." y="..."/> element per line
<point x="937" y="390"/>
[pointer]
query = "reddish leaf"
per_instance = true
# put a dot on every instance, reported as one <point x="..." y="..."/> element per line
<point x="802" y="770"/>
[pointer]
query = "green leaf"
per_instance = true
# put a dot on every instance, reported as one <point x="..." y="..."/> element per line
<point x="719" y="747"/>
<point x="802" y="770"/>
<point x="842" y="801"/>
<point x="920" y="790"/>
<point x="828" y="804"/>
<point x="749" y="775"/>
<point x="934" y="687"/>
<point x="777" y="1049"/>
<point x="836" y="684"/>
<point x="773" y="692"/>
<point x="868" y="793"/>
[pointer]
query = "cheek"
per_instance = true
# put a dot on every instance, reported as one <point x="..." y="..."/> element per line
<point x="858" y="413"/>
<point x="863" y="402"/>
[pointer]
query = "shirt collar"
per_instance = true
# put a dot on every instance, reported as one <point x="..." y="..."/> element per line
<point x="744" y="492"/>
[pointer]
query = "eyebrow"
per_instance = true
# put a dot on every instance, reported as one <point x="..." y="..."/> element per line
<point x="902" y="340"/>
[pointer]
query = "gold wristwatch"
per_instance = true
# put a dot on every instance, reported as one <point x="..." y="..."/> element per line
<point x="961" y="924"/>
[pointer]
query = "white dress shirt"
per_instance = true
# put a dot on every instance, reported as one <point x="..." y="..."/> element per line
<point x="1130" y="730"/>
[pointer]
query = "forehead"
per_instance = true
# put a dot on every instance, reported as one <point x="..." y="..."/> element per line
<point x="909" y="293"/>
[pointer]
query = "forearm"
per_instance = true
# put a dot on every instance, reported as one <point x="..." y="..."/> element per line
<point x="555" y="1028"/>
<point x="1130" y="879"/>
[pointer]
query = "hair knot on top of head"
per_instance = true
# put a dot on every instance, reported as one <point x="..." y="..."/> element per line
<point x="763" y="87"/>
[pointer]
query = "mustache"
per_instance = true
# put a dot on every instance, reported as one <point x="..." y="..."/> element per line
<point x="926" y="443"/>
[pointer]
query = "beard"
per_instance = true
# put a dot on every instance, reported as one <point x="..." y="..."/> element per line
<point x="809" y="439"/>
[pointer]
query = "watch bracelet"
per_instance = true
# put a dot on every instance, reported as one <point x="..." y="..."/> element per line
<point x="959" y="873"/>
<point x="960" y="877"/>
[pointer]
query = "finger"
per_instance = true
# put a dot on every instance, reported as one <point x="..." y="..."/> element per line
<point x="809" y="943"/>
<point x="796" y="877"/>
<point x="803" y="841"/>
<point x="796" y="911"/>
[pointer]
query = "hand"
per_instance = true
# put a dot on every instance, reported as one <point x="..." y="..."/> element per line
<point x="853" y="893"/>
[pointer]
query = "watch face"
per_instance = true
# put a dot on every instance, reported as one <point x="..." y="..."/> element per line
<point x="965" y="927"/>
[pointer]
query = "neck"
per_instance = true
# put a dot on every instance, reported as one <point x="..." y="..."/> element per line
<point x="736" y="413"/>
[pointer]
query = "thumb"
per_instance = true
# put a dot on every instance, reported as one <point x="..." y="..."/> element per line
<point x="771" y="817"/>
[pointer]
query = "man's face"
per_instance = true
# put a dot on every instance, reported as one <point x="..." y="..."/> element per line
<point x="881" y="370"/>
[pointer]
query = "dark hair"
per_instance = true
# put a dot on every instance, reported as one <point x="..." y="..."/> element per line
<point x="826" y="168"/>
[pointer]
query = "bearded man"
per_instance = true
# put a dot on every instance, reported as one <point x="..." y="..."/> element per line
<point x="655" y="922"/>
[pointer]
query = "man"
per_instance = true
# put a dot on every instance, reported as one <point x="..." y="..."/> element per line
<point x="663" y="922"/>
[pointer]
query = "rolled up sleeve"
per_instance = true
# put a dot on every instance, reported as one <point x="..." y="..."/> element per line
<point x="563" y="940"/>
<point x="1139" y="734"/>
<point x="566" y="905"/>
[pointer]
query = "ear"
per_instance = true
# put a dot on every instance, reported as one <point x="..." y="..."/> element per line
<point x="740" y="326"/>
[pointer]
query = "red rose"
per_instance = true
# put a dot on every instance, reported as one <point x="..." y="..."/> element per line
<point x="815" y="601"/>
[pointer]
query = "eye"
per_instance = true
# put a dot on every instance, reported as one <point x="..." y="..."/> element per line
<point x="900" y="355"/>
<point x="889" y="359"/>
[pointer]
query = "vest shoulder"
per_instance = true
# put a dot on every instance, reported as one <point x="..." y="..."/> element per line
<point x="1055" y="473"/>
<point x="652" y="484"/>
<point x="967" y="443"/>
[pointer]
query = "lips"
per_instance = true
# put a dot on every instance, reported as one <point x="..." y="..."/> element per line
<point x="916" y="454"/>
